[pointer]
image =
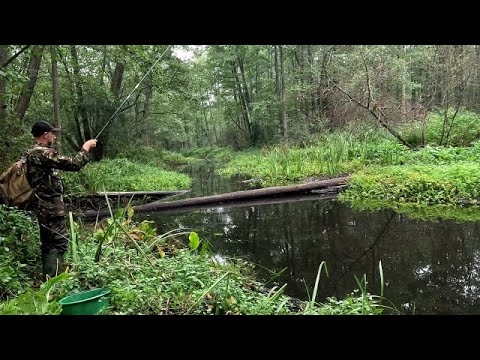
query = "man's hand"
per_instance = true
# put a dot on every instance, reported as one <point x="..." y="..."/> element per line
<point x="89" y="144"/>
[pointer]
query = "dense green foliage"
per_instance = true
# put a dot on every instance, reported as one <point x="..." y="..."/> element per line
<point x="123" y="175"/>
<point x="237" y="96"/>
<point x="465" y="129"/>
<point x="19" y="252"/>
<point x="152" y="273"/>
<point x="423" y="184"/>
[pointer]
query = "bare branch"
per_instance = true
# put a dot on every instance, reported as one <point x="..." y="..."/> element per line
<point x="380" y="117"/>
<point x="15" y="56"/>
<point x="368" y="82"/>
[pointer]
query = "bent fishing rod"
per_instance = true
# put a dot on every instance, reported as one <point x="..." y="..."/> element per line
<point x="128" y="97"/>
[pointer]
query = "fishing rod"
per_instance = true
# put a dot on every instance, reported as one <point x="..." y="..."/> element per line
<point x="128" y="97"/>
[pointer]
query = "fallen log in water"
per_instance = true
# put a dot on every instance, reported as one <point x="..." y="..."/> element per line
<point x="289" y="198"/>
<point x="229" y="197"/>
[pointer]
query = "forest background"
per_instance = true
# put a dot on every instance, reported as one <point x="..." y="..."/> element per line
<point x="237" y="96"/>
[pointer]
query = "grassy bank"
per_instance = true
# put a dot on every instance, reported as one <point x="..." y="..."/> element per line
<point x="380" y="169"/>
<point x="150" y="273"/>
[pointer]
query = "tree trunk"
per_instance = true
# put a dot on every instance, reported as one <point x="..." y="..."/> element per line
<point x="56" y="94"/>
<point x="311" y="80"/>
<point x="3" y="83"/>
<point x="279" y="85"/>
<point x="404" y="81"/>
<point x="244" y="94"/>
<point x="26" y="94"/>
<point x="104" y="62"/>
<point x="82" y="111"/>
<point x="148" y="95"/>
<point x="117" y="79"/>
<point x="243" y="103"/>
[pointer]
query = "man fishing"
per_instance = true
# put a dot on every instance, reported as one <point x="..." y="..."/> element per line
<point x="42" y="174"/>
<point x="43" y="163"/>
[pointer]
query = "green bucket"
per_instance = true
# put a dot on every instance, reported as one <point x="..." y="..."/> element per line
<point x="88" y="302"/>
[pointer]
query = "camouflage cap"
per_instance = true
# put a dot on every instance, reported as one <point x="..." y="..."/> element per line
<point x="41" y="127"/>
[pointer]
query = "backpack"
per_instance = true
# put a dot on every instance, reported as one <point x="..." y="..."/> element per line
<point x="15" y="190"/>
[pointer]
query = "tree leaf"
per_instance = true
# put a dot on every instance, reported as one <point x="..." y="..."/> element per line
<point x="194" y="240"/>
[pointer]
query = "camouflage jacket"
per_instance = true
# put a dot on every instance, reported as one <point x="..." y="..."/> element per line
<point x="42" y="165"/>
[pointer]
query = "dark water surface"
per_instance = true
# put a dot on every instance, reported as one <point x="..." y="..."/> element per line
<point x="430" y="266"/>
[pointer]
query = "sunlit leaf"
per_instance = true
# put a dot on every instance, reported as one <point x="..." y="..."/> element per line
<point x="194" y="240"/>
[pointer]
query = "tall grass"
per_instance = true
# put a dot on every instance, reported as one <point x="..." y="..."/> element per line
<point x="331" y="156"/>
<point x="353" y="304"/>
<point x="123" y="175"/>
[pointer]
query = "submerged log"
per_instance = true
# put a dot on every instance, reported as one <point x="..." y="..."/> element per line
<point x="256" y="202"/>
<point x="230" y="197"/>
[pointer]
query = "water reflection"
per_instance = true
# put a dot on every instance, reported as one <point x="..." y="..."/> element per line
<point x="433" y="267"/>
<point x="206" y="182"/>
